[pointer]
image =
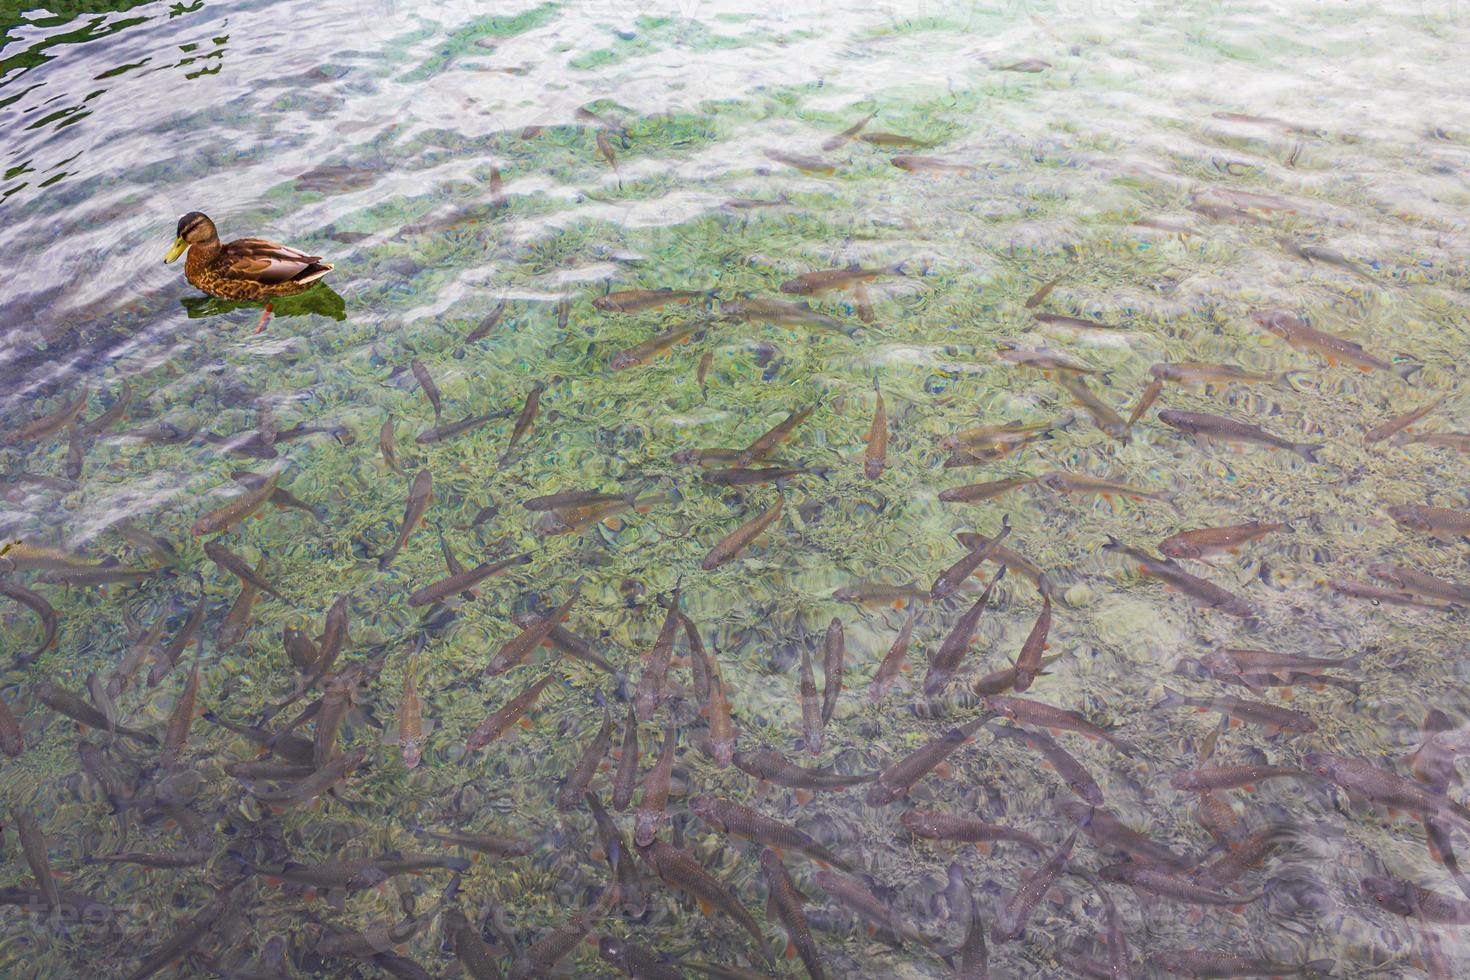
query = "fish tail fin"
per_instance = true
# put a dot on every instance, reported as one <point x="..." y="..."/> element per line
<point x="1171" y="699"/>
<point x="1308" y="450"/>
<point x="1407" y="370"/>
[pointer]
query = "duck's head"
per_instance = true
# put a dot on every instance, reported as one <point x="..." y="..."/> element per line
<point x="193" y="227"/>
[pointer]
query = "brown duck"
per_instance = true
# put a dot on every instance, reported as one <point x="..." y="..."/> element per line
<point x="245" y="269"/>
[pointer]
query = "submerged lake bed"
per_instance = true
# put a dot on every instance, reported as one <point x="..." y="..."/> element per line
<point x="952" y="489"/>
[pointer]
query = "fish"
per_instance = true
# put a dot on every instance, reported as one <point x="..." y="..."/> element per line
<point x="1212" y="595"/>
<point x="929" y="165"/>
<point x="743" y="477"/>
<point x="631" y="894"/>
<point x="1103" y="416"/>
<point x="946" y="826"/>
<point x="1108" y="831"/>
<point x="731" y="545"/>
<point x="893" y="782"/>
<point x="784" y="904"/>
<point x="1241" y="710"/>
<point x="833" y="142"/>
<point x="1219" y="819"/>
<point x="1229" y="777"/>
<point x="1028" y="661"/>
<point x="1078" y="779"/>
<point x="604" y="147"/>
<point x="650" y="815"/>
<point x="1399" y="423"/>
<point x="180" y="719"/>
<point x="817" y="283"/>
<point x="1199" y="372"/>
<point x="1013" y="561"/>
<point x="282" y="499"/>
<point x="519" y="647"/>
<point x="1417" y="582"/>
<point x="111" y="416"/>
<point x="791" y="313"/>
<point x="492" y="845"/>
<point x="574" y="787"/>
<point x="58" y="699"/>
<point x="1039" y="297"/>
<point x="230" y="562"/>
<point x="563" y="522"/>
<point x="1234" y="863"/>
<point x="640" y="300"/>
<point x="949" y="581"/>
<point x="1077" y="323"/>
<point x="681" y="872"/>
<point x="1439" y="522"/>
<point x="655" y="665"/>
<point x="107" y="573"/>
<point x="223" y="518"/>
<point x="974" y="958"/>
<point x="487" y="324"/>
<point x="1209" y="541"/>
<point x="569" y="643"/>
<point x="356" y="874"/>
<point x="834" y="650"/>
<point x="410" y="716"/>
<point x="12" y="742"/>
<point x="1458" y="441"/>
<point x="430" y="389"/>
<point x="738" y="820"/>
<point x="37" y="604"/>
<point x="750" y="203"/>
<point x="335" y="702"/>
<point x="988" y="441"/>
<point x="637" y="960"/>
<point x="806" y="164"/>
<point x="979" y="492"/>
<point x="945" y="662"/>
<point x="770" y="766"/>
<point x="420" y="495"/>
<point x="1028" y="712"/>
<point x="853" y="895"/>
<point x="627" y="771"/>
<point x="701" y="373"/>
<point x="764" y="445"/>
<point x="1041" y="360"/>
<point x="449" y="430"/>
<point x="654" y="346"/>
<point x="163" y="552"/>
<point x="183" y="941"/>
<point x="564" y="310"/>
<point x="1214" y="963"/>
<point x="1218" y="427"/>
<point x="1145" y="402"/>
<point x="1003" y="680"/>
<point x="1060" y="481"/>
<point x="1369" y="782"/>
<point x="1029" y="66"/>
<point x="893" y="662"/>
<point x="307" y="789"/>
<point x="1406" y="898"/>
<point x="875" y="453"/>
<point x="1379" y="595"/>
<point x="1246" y="662"/>
<point x="33" y="846"/>
<point x="892" y="139"/>
<point x="499" y="721"/>
<point x="811" y="706"/>
<point x="574" y="499"/>
<point x="1011" y="920"/>
<point x="49" y="424"/>
<point x="299" y="647"/>
<point x="464" y="580"/>
<point x="1301" y="336"/>
<point x="1158" y="882"/>
<point x="231" y="631"/>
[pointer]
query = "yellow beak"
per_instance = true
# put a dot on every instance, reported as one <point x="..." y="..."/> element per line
<point x="176" y="251"/>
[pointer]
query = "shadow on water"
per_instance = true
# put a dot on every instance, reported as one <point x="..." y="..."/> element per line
<point x="321" y="300"/>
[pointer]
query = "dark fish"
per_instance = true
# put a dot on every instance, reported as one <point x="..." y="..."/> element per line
<point x="449" y="430"/>
<point x="682" y="873"/>
<point x="180" y="720"/>
<point x="1406" y="898"/>
<point x="426" y="382"/>
<point x="308" y="789"/>
<point x="33" y="846"/>
<point x="1011" y="921"/>
<point x="742" y="477"/>
<point x="875" y="454"/>
<point x="833" y="142"/>
<point x="945" y="662"/>
<point x="636" y="960"/>
<point x="1107" y="831"/>
<point x="1417" y="582"/>
<point x="1078" y="778"/>
<point x="1228" y="777"/>
<point x="816" y="283"/>
<point x="12" y="743"/>
<point x="519" y="647"/>
<point x="1028" y="712"/>
<point x="626" y="776"/>
<point x="487" y="324"/>
<point x="1102" y="413"/>
<point x="805" y="164"/>
<point x="790" y="313"/>
<point x="189" y="935"/>
<point x="895" y="781"/>
<point x="784" y="903"/>
<point x="893" y="662"/>
<point x="232" y="513"/>
<point x="1143" y="878"/>
<point x="1256" y="712"/>
<point x="388" y="445"/>
<point x="48" y="424"/>
<point x="853" y="895"/>
<point x="464" y="580"/>
<point x="1208" y="541"/>
<point x="236" y="623"/>
<point x="1214" y="963"/>
<point x="43" y="610"/>
<point x="811" y="705"/>
<point x="630" y="884"/>
<point x="1439" y="522"/>
<point x="656" y="782"/>
<point x="111" y="416"/>
<point x="639" y="300"/>
<point x="1205" y="426"/>
<point x="357" y="873"/>
<point x="1384" y="788"/>
<point x="571" y="499"/>
<point x="1399" y="423"/>
<point x="1013" y="561"/>
<point x="731" y="545"/>
<point x="948" y="826"/>
<point x="1378" y="595"/>
<point x="655" y="666"/>
<point x="977" y="492"/>
<point x="500" y="721"/>
<point x="950" y="580"/>
<point x="767" y="443"/>
<point x="230" y="562"/>
<point x="420" y="495"/>
<point x="525" y="420"/>
<point x="78" y="710"/>
<point x="1059" y="320"/>
<point x="1301" y="336"/>
<point x="928" y="165"/>
<point x="1028" y="662"/>
<point x="1205" y="591"/>
<point x="834" y="650"/>
<point x="492" y="845"/>
<point x="737" y="820"/>
<point x="771" y="766"/>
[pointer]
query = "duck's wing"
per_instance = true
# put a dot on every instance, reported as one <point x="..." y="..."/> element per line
<point x="270" y="263"/>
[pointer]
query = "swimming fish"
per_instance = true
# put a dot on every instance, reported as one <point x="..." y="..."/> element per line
<point x="1302" y="336"/>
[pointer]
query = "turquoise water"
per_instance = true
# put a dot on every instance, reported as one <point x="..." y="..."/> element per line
<point x="1169" y="167"/>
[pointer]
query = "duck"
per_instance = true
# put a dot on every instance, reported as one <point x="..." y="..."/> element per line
<point x="249" y="269"/>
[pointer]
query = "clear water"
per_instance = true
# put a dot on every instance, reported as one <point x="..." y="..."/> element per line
<point x="367" y="131"/>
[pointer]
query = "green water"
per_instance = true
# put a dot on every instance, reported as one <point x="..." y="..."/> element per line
<point x="369" y="133"/>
